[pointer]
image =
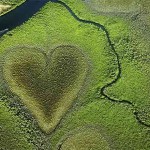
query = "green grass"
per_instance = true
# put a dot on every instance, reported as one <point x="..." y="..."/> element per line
<point x="115" y="122"/>
<point x="11" y="132"/>
<point x="132" y="45"/>
<point x="115" y="6"/>
<point x="134" y="84"/>
<point x="85" y="138"/>
<point x="133" y="50"/>
<point x="53" y="26"/>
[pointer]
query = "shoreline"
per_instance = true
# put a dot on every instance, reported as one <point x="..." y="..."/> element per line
<point x="13" y="6"/>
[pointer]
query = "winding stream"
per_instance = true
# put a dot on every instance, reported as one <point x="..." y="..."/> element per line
<point x="22" y="13"/>
<point x="102" y="90"/>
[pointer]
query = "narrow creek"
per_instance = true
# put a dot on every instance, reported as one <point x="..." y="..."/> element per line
<point x="25" y="11"/>
<point x="118" y="76"/>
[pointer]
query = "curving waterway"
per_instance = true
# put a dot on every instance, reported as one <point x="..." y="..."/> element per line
<point x="20" y="15"/>
<point x="25" y="11"/>
<point x="118" y="76"/>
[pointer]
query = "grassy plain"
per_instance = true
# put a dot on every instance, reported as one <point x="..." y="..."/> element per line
<point x="133" y="49"/>
<point x="116" y="124"/>
<point x="114" y="6"/>
<point x="131" y="40"/>
<point x="54" y="26"/>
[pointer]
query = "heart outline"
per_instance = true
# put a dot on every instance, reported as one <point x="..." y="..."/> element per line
<point x="46" y="124"/>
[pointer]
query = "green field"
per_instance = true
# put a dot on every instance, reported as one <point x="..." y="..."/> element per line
<point x="55" y="66"/>
<point x="133" y="49"/>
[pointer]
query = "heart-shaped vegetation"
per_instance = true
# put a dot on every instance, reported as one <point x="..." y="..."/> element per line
<point x="46" y="84"/>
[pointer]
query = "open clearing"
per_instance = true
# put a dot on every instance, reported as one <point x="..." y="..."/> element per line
<point x="84" y="138"/>
<point x="114" y="6"/>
